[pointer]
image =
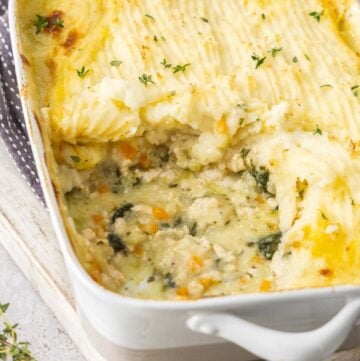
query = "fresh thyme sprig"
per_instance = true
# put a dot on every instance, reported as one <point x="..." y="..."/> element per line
<point x="82" y="72"/>
<point x="146" y="79"/>
<point x="259" y="61"/>
<point x="10" y="347"/>
<point x="179" y="67"/>
<point x="41" y="23"/>
<point x="317" y="15"/>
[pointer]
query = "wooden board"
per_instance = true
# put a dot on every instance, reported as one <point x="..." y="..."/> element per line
<point x="27" y="235"/>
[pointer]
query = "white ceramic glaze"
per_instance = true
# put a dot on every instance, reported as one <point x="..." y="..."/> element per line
<point x="151" y="325"/>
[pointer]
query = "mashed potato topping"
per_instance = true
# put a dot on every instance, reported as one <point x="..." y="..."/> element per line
<point x="202" y="148"/>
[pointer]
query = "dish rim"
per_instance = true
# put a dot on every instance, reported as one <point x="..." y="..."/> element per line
<point x="72" y="261"/>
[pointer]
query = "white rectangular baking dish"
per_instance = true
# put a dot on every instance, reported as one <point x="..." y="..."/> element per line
<point x="136" y="327"/>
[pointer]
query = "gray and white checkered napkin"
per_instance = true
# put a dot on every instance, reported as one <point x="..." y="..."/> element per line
<point x="12" y="124"/>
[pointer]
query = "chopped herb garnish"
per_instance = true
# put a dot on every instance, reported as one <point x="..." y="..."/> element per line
<point x="41" y="23"/>
<point x="250" y="244"/>
<point x="75" y="158"/>
<point x="323" y="216"/>
<point x="116" y="243"/>
<point x="355" y="90"/>
<point x="317" y="130"/>
<point x="146" y="79"/>
<point x="326" y="86"/>
<point x="307" y="57"/>
<point x="150" y="17"/>
<point x="179" y="67"/>
<point x="172" y="93"/>
<point x="169" y="281"/>
<point x="116" y="63"/>
<point x="294" y="59"/>
<point x="165" y="64"/>
<point x="268" y="245"/>
<point x="58" y="23"/>
<point x="244" y="153"/>
<point x="317" y="15"/>
<point x="261" y="176"/>
<point x="82" y="72"/>
<point x="274" y="51"/>
<point x="193" y="229"/>
<point x="120" y="212"/>
<point x="259" y="61"/>
<point x="204" y="20"/>
<point x="263" y="16"/>
<point x="155" y="38"/>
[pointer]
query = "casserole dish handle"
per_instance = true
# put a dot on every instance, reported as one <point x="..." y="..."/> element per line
<point x="275" y="345"/>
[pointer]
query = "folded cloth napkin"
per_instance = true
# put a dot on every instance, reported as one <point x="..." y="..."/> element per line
<point x="12" y="124"/>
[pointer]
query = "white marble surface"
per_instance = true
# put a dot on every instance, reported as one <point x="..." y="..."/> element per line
<point x="49" y="342"/>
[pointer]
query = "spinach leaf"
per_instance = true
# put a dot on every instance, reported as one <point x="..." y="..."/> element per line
<point x="116" y="243"/>
<point x="268" y="245"/>
<point x="119" y="213"/>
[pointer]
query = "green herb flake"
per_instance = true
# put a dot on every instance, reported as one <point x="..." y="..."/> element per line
<point x="82" y="72"/>
<point x="150" y="17"/>
<point x="193" y="229"/>
<point x="146" y="79"/>
<point x="317" y="130"/>
<point x="274" y="51"/>
<point x="263" y="16"/>
<point x="58" y="23"/>
<point x="326" y="86"/>
<point x="259" y="61"/>
<point x="323" y="216"/>
<point x="41" y="23"/>
<point x="244" y="153"/>
<point x="267" y="246"/>
<point x="179" y="67"/>
<point x="75" y="159"/>
<point x="307" y="57"/>
<point x="116" y="63"/>
<point x="155" y="38"/>
<point x="355" y="90"/>
<point x="261" y="176"/>
<point x="204" y="20"/>
<point x="294" y="59"/>
<point x="165" y="64"/>
<point x="317" y="15"/>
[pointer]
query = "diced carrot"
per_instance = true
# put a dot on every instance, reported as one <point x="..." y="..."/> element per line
<point x="326" y="272"/>
<point x="138" y="250"/>
<point x="160" y="214"/>
<point x="144" y="161"/>
<point x="222" y="127"/>
<point x="103" y="188"/>
<point x="127" y="150"/>
<point x="150" y="228"/>
<point x="195" y="263"/>
<point x="208" y="282"/>
<point x="182" y="291"/>
<point x="265" y="285"/>
<point x="98" y="218"/>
